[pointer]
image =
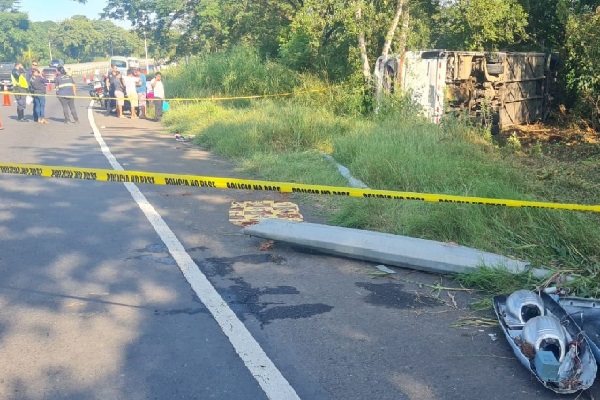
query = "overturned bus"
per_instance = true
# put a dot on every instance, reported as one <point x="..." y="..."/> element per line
<point x="500" y="89"/>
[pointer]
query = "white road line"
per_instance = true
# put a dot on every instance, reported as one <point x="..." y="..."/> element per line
<point x="256" y="360"/>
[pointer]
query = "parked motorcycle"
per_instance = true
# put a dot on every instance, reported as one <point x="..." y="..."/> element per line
<point x="98" y="93"/>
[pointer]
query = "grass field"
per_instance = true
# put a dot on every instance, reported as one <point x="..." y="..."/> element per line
<point x="285" y="138"/>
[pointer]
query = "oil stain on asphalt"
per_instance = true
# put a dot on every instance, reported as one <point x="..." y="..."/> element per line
<point x="188" y="311"/>
<point x="246" y="300"/>
<point x="224" y="266"/>
<point x="391" y="295"/>
<point x="156" y="252"/>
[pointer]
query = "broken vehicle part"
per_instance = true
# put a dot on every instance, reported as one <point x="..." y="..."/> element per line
<point x="547" y="341"/>
<point x="586" y="313"/>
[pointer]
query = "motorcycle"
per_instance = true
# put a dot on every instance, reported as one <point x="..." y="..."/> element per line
<point x="98" y="93"/>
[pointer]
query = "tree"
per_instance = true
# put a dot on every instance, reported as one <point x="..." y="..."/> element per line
<point x="76" y="37"/>
<point x="345" y="36"/>
<point x="400" y="9"/>
<point x="581" y="55"/>
<point x="39" y="37"/>
<point x="114" y="40"/>
<point x="193" y="27"/>
<point x="546" y="26"/>
<point x="547" y="20"/>
<point x="482" y="24"/>
<point x="9" y="5"/>
<point x="13" y="41"/>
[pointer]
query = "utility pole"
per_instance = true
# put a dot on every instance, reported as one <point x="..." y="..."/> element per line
<point x="50" y="50"/>
<point x="145" y="25"/>
<point x="146" y="50"/>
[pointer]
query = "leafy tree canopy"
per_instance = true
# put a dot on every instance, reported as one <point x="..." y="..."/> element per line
<point x="193" y="27"/>
<point x="482" y="24"/>
<point x="9" y="5"/>
<point x="14" y="38"/>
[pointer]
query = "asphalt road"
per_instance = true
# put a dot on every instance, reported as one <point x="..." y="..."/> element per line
<point x="113" y="291"/>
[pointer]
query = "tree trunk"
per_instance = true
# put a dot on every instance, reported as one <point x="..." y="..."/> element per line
<point x="368" y="79"/>
<point x="390" y="33"/>
<point x="404" y="32"/>
<point x="362" y="44"/>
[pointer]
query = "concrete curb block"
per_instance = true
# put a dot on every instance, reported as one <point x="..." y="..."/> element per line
<point x="388" y="249"/>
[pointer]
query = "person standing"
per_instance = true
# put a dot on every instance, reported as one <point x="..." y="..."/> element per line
<point x="131" y="83"/>
<point x="110" y="81"/>
<point x="37" y="86"/>
<point x="20" y="88"/>
<point x="141" y="92"/>
<point x="66" y="91"/>
<point x="29" y="74"/>
<point x="120" y="94"/>
<point x="159" y="95"/>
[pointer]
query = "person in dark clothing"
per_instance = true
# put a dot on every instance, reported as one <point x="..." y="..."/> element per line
<point x="20" y="88"/>
<point x="120" y="94"/>
<point x="37" y="86"/>
<point x="66" y="90"/>
<point x="112" y="81"/>
<point x="29" y="73"/>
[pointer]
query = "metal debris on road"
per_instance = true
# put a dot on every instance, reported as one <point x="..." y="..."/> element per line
<point x="385" y="269"/>
<point x="546" y="340"/>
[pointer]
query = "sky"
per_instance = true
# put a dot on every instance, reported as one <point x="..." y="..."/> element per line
<point x="58" y="10"/>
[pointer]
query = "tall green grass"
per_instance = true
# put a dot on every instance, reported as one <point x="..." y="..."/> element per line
<point x="283" y="139"/>
<point x="240" y="72"/>
<point x="402" y="155"/>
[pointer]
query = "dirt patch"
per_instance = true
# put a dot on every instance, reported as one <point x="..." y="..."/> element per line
<point x="530" y="135"/>
<point x="563" y="158"/>
<point x="561" y="128"/>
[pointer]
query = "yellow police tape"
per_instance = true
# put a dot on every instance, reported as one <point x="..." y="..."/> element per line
<point x="177" y="99"/>
<point x="155" y="178"/>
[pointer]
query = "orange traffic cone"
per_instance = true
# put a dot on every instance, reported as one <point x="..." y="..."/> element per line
<point x="85" y="81"/>
<point x="6" y="97"/>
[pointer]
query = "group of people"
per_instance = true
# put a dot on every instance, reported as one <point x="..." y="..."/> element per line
<point x="32" y="83"/>
<point x="138" y="90"/>
<point x="134" y="86"/>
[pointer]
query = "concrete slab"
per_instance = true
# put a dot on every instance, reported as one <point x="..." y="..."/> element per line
<point x="401" y="251"/>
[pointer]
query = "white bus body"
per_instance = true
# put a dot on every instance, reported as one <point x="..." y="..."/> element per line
<point x="133" y="62"/>
<point x="120" y="62"/>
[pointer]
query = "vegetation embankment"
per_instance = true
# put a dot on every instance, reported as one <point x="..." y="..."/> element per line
<point x="284" y="139"/>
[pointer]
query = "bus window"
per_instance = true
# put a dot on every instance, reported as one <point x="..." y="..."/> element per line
<point x="120" y="63"/>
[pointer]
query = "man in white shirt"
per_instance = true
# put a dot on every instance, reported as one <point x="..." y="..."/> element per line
<point x="131" y="83"/>
<point x="159" y="95"/>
